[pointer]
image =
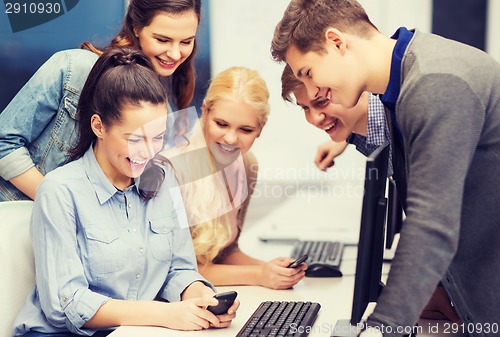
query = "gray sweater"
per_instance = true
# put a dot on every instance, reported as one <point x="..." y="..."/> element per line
<point x="448" y="169"/>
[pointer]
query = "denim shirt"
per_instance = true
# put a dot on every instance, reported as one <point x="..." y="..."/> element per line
<point x="38" y="126"/>
<point x="93" y="242"/>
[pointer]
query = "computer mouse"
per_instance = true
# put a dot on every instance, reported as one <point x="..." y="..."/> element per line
<point x="323" y="270"/>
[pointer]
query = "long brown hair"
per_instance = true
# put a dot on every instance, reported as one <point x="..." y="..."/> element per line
<point x="140" y="13"/>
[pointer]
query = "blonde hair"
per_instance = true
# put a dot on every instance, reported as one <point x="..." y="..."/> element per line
<point x="203" y="191"/>
<point x="210" y="237"/>
<point x="239" y="83"/>
<point x="206" y="205"/>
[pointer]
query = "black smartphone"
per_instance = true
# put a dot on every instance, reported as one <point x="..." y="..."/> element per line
<point x="225" y="301"/>
<point x="297" y="262"/>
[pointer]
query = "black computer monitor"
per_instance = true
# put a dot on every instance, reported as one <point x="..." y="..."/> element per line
<point x="394" y="214"/>
<point x="367" y="283"/>
<point x="369" y="261"/>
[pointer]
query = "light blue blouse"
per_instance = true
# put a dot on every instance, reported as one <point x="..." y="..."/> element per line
<point x="93" y="242"/>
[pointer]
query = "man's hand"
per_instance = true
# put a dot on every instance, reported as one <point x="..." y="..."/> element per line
<point x="327" y="152"/>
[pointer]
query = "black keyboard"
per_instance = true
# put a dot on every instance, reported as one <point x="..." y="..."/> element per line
<point x="324" y="257"/>
<point x="276" y="318"/>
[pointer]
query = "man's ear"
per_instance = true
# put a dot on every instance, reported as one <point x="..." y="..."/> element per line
<point x="96" y="125"/>
<point x="336" y="39"/>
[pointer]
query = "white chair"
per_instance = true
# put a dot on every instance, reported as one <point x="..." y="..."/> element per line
<point x="17" y="268"/>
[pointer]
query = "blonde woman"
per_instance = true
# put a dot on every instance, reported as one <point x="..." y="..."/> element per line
<point x="218" y="174"/>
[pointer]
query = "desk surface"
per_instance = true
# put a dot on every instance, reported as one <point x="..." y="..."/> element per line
<point x="331" y="213"/>
<point x="334" y="295"/>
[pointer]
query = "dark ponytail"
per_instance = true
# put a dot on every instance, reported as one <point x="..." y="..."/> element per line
<point x="153" y="176"/>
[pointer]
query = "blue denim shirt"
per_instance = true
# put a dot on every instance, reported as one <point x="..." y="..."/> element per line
<point x="38" y="126"/>
<point x="93" y="242"/>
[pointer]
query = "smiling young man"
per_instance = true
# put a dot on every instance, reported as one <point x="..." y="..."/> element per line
<point x="364" y="125"/>
<point x="442" y="99"/>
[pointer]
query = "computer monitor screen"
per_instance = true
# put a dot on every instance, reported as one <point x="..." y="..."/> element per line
<point x="394" y="214"/>
<point x="369" y="261"/>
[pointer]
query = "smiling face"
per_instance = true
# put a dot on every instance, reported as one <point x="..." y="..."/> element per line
<point x="123" y="149"/>
<point x="337" y="121"/>
<point x="231" y="127"/>
<point x="334" y="69"/>
<point x="169" y="40"/>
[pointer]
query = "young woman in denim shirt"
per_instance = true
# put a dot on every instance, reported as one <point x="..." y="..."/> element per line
<point x="37" y="128"/>
<point x="113" y="252"/>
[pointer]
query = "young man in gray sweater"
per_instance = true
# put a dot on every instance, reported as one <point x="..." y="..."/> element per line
<point x="442" y="101"/>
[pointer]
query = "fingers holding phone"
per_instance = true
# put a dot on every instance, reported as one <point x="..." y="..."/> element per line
<point x="298" y="261"/>
<point x="225" y="310"/>
<point x="226" y="300"/>
<point x="275" y="274"/>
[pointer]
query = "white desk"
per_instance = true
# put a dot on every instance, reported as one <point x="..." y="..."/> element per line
<point x="334" y="294"/>
<point x="332" y="211"/>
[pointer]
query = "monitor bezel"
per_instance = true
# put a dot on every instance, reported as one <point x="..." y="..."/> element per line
<point x="367" y="284"/>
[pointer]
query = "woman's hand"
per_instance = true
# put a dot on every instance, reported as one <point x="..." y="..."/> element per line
<point x="191" y="314"/>
<point x="195" y="290"/>
<point x="275" y="274"/>
<point x="226" y="319"/>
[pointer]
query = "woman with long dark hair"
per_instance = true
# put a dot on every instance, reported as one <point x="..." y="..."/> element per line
<point x="37" y="128"/>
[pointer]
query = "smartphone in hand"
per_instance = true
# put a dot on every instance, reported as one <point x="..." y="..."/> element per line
<point x="225" y="301"/>
<point x="298" y="261"/>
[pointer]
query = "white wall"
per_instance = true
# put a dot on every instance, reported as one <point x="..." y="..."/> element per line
<point x="493" y="29"/>
<point x="241" y="32"/>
